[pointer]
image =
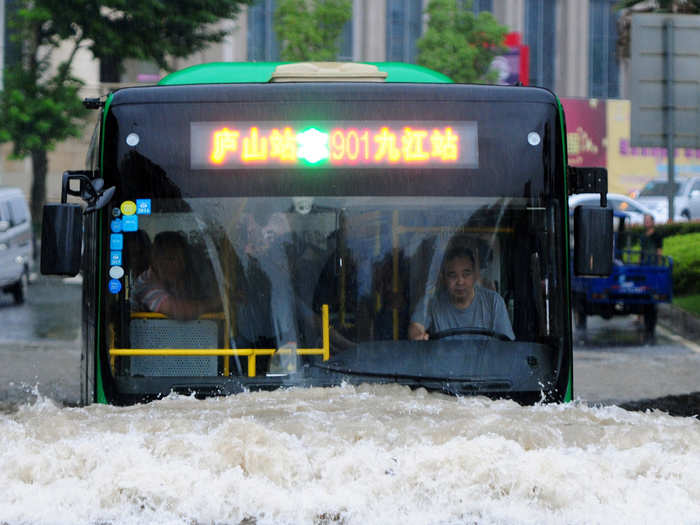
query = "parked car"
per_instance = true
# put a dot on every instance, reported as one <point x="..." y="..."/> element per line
<point x="686" y="203"/>
<point x="16" y="243"/>
<point x="634" y="210"/>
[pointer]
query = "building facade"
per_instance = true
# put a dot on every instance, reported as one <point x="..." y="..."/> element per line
<point x="572" y="47"/>
<point x="572" y="42"/>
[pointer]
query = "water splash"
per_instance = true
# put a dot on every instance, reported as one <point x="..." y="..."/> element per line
<point x="369" y="454"/>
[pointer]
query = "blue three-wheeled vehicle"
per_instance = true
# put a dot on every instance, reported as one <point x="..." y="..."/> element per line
<point x="637" y="284"/>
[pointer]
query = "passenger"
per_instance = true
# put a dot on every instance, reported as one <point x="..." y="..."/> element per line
<point x="459" y="303"/>
<point x="267" y="310"/>
<point x="165" y="287"/>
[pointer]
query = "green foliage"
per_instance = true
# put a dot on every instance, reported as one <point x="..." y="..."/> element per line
<point x="685" y="250"/>
<point x="310" y="29"/>
<point x="40" y="104"/>
<point x="682" y="242"/>
<point x="690" y="303"/>
<point x="36" y="116"/>
<point x="460" y="44"/>
<point x="668" y="230"/>
<point x="152" y="30"/>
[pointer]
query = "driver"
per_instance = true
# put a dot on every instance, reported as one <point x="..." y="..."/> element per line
<point x="458" y="302"/>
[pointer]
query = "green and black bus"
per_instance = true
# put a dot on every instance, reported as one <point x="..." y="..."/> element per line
<point x="315" y="203"/>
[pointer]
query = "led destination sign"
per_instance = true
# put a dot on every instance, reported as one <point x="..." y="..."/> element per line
<point x="222" y="145"/>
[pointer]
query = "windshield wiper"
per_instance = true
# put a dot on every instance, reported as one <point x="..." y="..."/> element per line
<point x="451" y="385"/>
<point x="396" y="375"/>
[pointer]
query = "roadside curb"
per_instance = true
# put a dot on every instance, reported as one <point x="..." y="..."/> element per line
<point x="680" y="321"/>
<point x="685" y="405"/>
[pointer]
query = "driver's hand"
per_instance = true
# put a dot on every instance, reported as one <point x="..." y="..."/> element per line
<point x="416" y="332"/>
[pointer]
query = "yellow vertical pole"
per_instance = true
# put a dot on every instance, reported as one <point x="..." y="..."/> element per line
<point x="227" y="369"/>
<point x="251" y="364"/>
<point x="112" y="359"/>
<point x="326" y="332"/>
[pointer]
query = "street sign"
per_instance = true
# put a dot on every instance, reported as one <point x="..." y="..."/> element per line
<point x="665" y="73"/>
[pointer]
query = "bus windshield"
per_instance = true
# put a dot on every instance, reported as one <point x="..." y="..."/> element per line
<point x="331" y="274"/>
<point x="229" y="272"/>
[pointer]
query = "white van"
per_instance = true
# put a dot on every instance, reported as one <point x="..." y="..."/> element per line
<point x="16" y="243"/>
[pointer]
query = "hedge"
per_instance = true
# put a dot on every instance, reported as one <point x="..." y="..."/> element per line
<point x="685" y="250"/>
<point x="668" y="230"/>
<point x="682" y="242"/>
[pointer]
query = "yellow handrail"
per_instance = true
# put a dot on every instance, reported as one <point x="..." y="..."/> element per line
<point x="250" y="353"/>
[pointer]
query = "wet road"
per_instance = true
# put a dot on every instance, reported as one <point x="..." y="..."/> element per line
<point x="613" y="363"/>
<point x="40" y="351"/>
<point x="40" y="343"/>
<point x="50" y="313"/>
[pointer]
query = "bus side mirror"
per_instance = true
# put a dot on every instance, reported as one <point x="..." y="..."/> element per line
<point x="593" y="241"/>
<point x="61" y="239"/>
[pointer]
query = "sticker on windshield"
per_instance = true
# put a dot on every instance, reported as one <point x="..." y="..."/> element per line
<point x="128" y="207"/>
<point x="143" y="206"/>
<point x="114" y="286"/>
<point x="116" y="241"/>
<point x="130" y="223"/>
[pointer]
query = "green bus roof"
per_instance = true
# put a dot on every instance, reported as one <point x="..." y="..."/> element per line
<point x="238" y="72"/>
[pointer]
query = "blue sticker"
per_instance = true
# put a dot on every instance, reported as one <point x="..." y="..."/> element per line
<point x="116" y="225"/>
<point x="130" y="223"/>
<point x="115" y="258"/>
<point x="143" y="206"/>
<point x="116" y="241"/>
<point x="114" y="286"/>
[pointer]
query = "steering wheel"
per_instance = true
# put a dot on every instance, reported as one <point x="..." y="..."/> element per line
<point x="468" y="330"/>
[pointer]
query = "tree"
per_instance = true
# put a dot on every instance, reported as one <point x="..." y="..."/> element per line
<point x="310" y="29"/>
<point x="460" y="44"/>
<point x="40" y="102"/>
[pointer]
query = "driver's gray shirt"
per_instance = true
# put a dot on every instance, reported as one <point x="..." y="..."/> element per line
<point x="487" y="310"/>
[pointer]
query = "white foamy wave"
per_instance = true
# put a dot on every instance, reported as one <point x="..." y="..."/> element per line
<point x="350" y="455"/>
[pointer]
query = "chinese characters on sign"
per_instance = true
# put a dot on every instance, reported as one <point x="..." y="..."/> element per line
<point x="357" y="144"/>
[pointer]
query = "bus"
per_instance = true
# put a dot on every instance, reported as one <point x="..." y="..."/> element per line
<point x="313" y="205"/>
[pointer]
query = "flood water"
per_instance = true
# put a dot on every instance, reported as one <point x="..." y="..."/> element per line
<point x="345" y="455"/>
<point x="350" y="455"/>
